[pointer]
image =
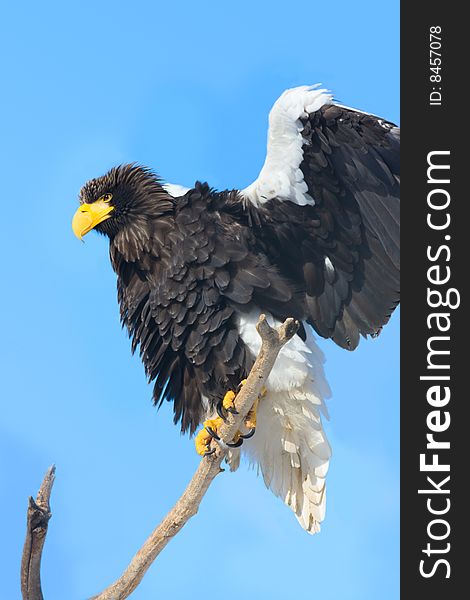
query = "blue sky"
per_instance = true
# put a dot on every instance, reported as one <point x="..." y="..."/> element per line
<point x="186" y="89"/>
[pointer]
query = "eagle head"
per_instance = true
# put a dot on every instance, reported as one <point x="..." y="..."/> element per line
<point x="126" y="196"/>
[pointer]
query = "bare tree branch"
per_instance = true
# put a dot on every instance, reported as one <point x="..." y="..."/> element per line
<point x="187" y="506"/>
<point x="38" y="515"/>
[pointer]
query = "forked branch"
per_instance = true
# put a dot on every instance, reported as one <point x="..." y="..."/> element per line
<point x="273" y="339"/>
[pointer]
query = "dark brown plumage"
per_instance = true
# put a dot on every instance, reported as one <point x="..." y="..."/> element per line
<point x="188" y="266"/>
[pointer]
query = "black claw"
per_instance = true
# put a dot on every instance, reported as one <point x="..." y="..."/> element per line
<point x="247" y="436"/>
<point x="221" y="411"/>
<point x="239" y="386"/>
<point x="209" y="452"/>
<point x="212" y="433"/>
<point x="232" y="410"/>
<point x="236" y="444"/>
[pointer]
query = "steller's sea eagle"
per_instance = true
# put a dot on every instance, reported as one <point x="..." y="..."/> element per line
<point x="315" y="237"/>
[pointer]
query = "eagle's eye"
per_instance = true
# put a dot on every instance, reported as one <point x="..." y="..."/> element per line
<point x="105" y="198"/>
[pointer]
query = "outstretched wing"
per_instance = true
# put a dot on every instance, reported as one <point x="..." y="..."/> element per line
<point x="326" y="208"/>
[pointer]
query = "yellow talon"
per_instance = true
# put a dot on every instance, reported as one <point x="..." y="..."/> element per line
<point x="202" y="442"/>
<point x="214" y="424"/>
<point x="228" y="401"/>
<point x="203" y="438"/>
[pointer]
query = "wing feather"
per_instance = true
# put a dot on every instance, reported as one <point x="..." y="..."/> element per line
<point x="327" y="210"/>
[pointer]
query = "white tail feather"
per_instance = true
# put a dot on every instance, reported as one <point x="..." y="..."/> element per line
<point x="292" y="452"/>
<point x="290" y="445"/>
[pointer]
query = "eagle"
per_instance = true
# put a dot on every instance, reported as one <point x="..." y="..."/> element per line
<point x="315" y="237"/>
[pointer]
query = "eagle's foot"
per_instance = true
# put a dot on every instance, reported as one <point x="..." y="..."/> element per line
<point x="228" y="403"/>
<point x="206" y="435"/>
<point x="212" y="426"/>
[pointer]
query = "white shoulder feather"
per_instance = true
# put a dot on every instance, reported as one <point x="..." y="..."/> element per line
<point x="175" y="190"/>
<point x="281" y="176"/>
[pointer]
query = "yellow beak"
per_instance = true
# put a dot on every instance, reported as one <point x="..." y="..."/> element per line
<point x="89" y="216"/>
